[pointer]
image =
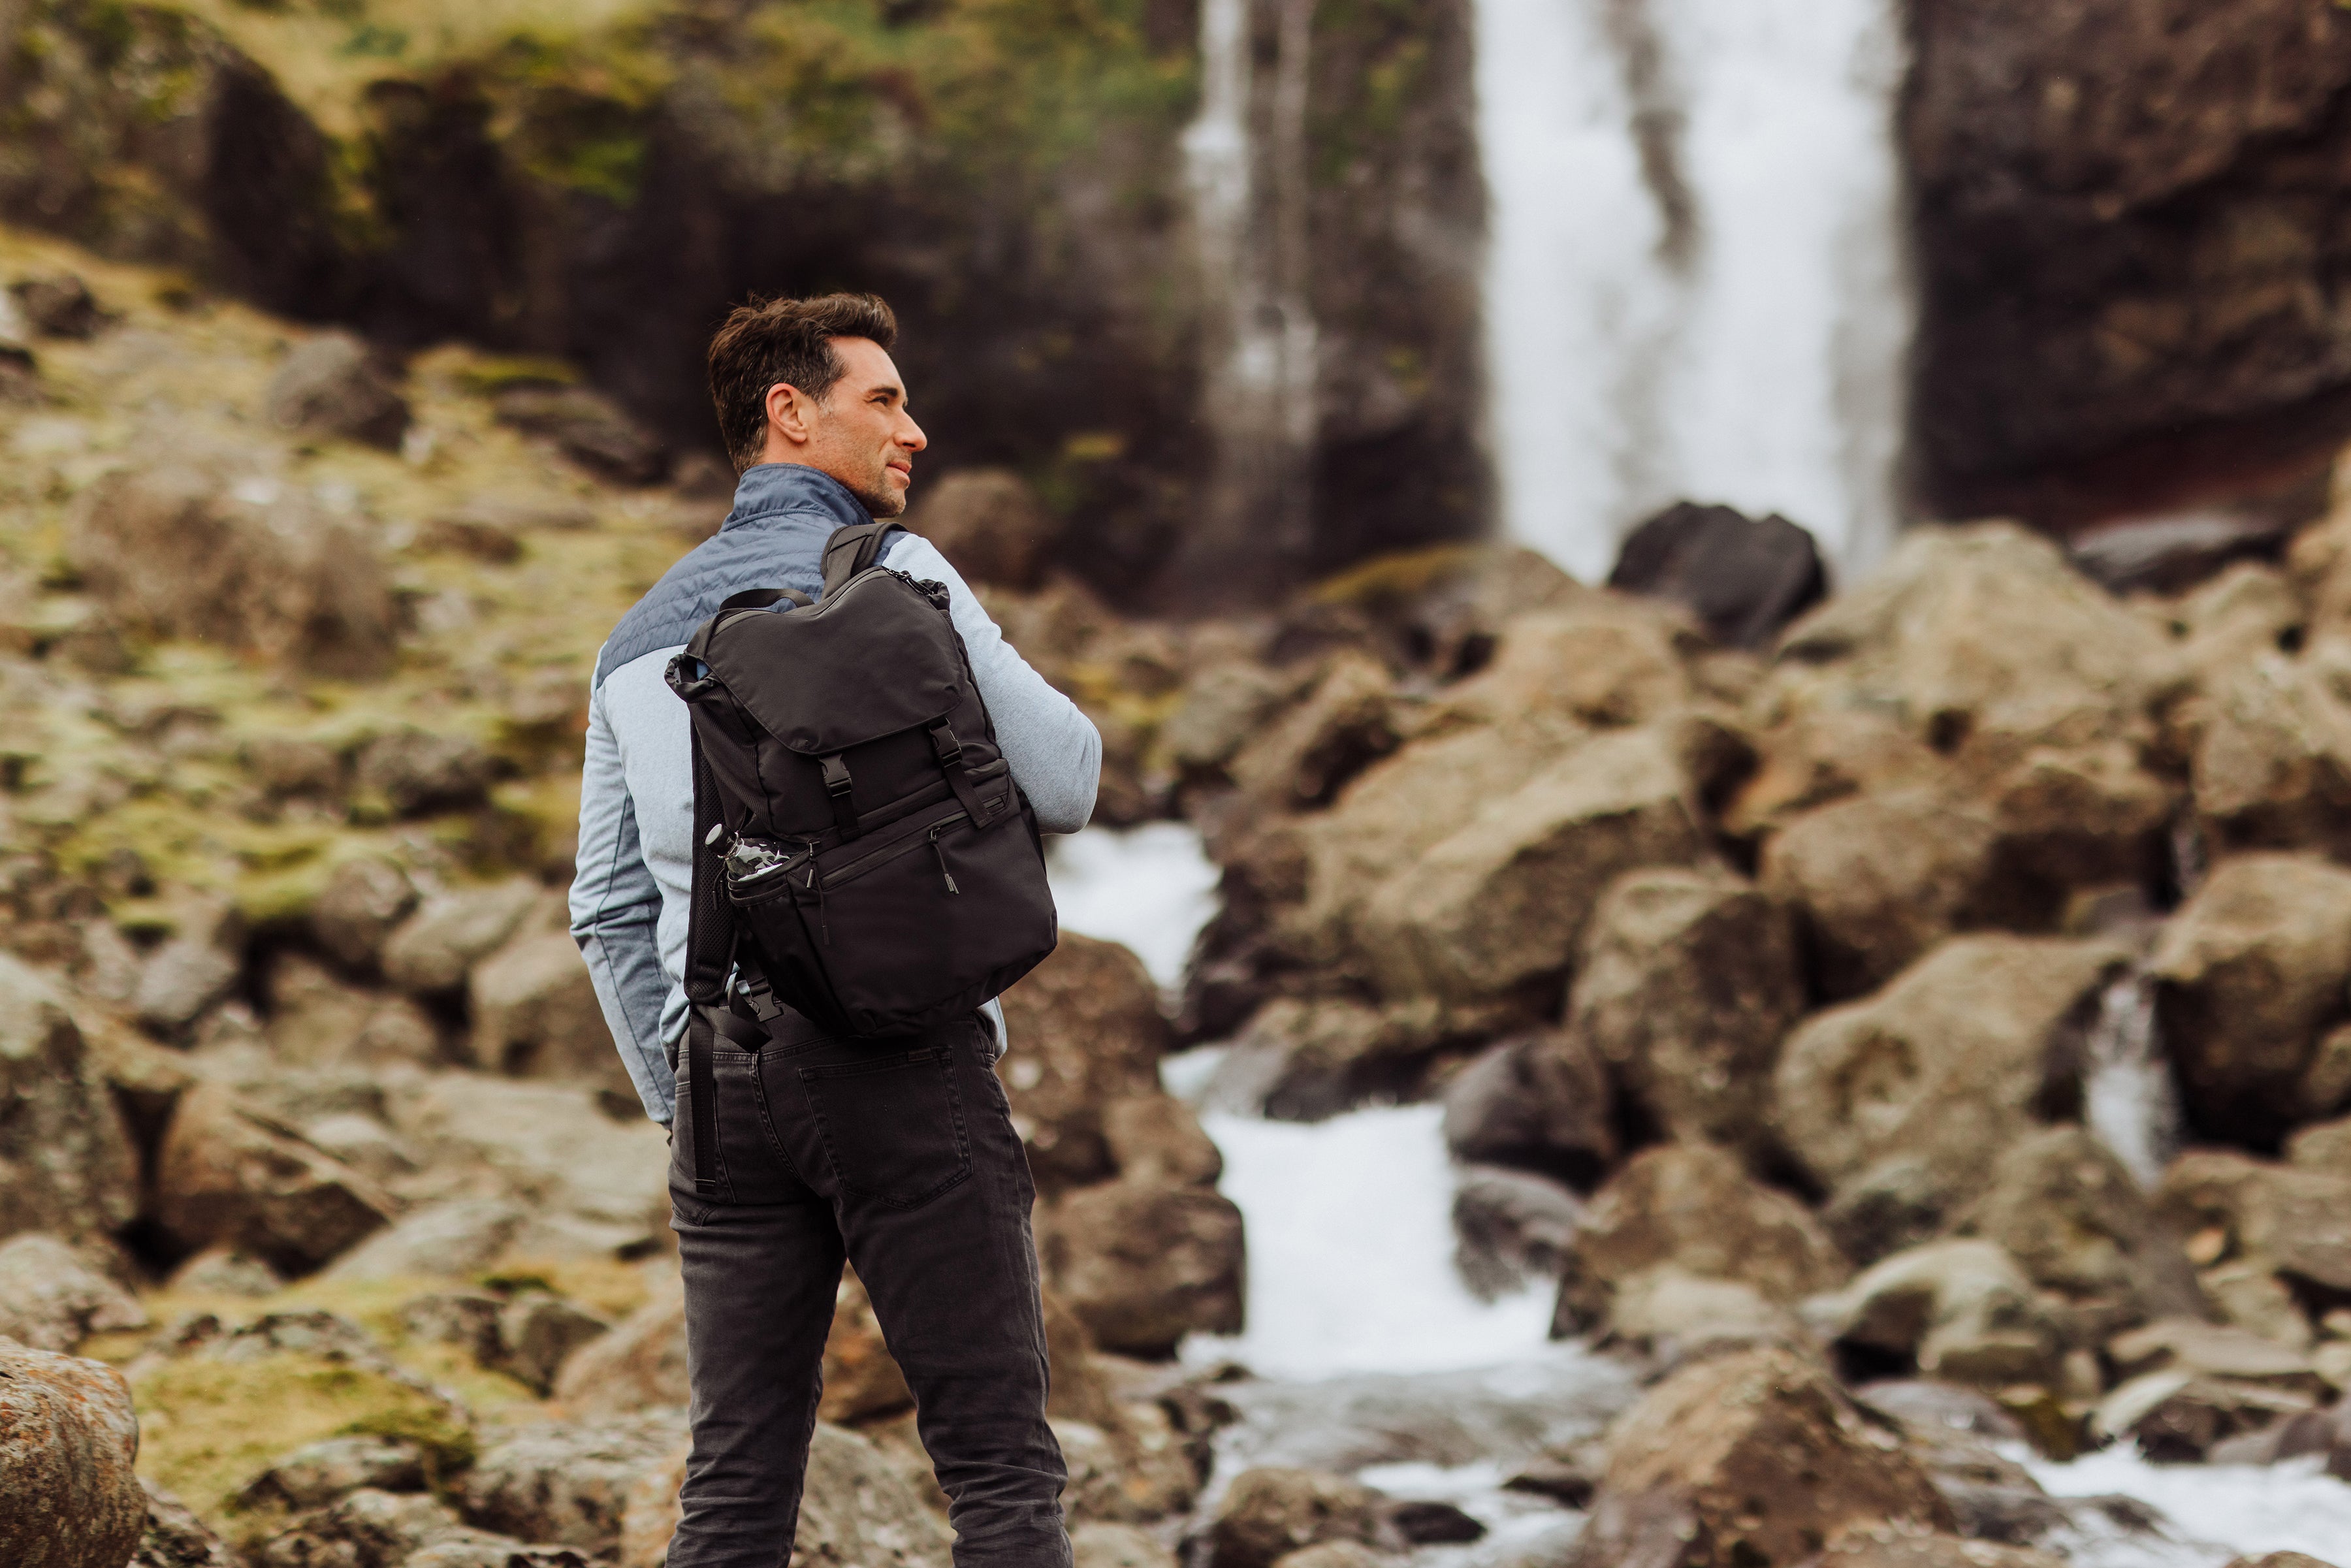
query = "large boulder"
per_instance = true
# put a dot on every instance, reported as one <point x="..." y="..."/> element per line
<point x="226" y="1176"/>
<point x="1751" y="1460"/>
<point x="1982" y="641"/>
<point x="1686" y="983"/>
<point x="989" y="525"/>
<point x="640" y="1365"/>
<point x="2074" y="1217"/>
<point x="66" y="1160"/>
<point x="536" y="1015"/>
<point x="411" y="772"/>
<point x="1270" y="1512"/>
<point x="1744" y="578"/>
<point x="68" y="1437"/>
<point x="2284" y="1220"/>
<point x="856" y="1510"/>
<point x="1899" y="1104"/>
<point x="1691" y="1207"/>
<point x="1348" y="721"/>
<point x="431" y="951"/>
<point x="1086" y="1030"/>
<point x="2272" y="758"/>
<point x="331" y="385"/>
<point x="1303" y="1059"/>
<point x="176" y="1537"/>
<point x="173" y="552"/>
<point x="587" y="427"/>
<point x="50" y="1299"/>
<point x="2249" y="975"/>
<point x="567" y="1482"/>
<point x="1540" y="1103"/>
<point x="1498" y="905"/>
<point x="1143" y="1265"/>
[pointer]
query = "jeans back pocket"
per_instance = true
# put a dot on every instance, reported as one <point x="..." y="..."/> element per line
<point x="893" y="1127"/>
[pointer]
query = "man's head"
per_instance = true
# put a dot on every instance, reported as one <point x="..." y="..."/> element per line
<point x="811" y="382"/>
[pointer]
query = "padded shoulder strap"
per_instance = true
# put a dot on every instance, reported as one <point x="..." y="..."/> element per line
<point x="710" y="917"/>
<point x="854" y="548"/>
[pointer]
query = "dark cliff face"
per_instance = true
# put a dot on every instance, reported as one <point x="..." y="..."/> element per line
<point x="2134" y="239"/>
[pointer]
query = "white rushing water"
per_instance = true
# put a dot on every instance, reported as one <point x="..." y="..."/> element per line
<point x="1695" y="287"/>
<point x="2216" y="1511"/>
<point x="1152" y="888"/>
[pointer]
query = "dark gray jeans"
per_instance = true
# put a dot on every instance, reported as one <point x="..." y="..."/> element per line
<point x="900" y="1155"/>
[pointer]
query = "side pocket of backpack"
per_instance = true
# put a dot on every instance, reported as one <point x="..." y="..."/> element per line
<point x="787" y="927"/>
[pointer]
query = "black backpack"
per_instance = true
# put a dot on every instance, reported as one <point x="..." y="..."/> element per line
<point x="862" y="851"/>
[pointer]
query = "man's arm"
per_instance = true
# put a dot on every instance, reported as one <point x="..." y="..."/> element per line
<point x="1053" y="747"/>
<point x="615" y="910"/>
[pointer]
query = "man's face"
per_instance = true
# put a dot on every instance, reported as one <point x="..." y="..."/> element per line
<point x="861" y="434"/>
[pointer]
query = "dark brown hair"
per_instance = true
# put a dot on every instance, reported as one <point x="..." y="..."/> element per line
<point x="789" y="340"/>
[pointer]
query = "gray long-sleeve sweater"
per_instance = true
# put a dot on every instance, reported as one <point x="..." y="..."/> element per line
<point x="632" y="887"/>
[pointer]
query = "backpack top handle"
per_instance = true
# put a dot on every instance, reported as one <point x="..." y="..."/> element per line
<point x="852" y="549"/>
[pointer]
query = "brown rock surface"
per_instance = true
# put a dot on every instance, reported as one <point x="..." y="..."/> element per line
<point x="1878" y="880"/>
<point x="68" y="1436"/>
<point x="1690" y="1206"/>
<point x="1958" y="1310"/>
<point x="989" y="525"/>
<point x="172" y="552"/>
<point x="1499" y="904"/>
<point x="226" y="1176"/>
<point x="332" y="386"/>
<point x="1087" y="1031"/>
<point x="66" y="1162"/>
<point x="1143" y="1265"/>
<point x="1270" y="1512"/>
<point x="1686" y="983"/>
<point x="857" y="1511"/>
<point x="1754" y="1458"/>
<point x="1913" y="1092"/>
<point x="1540" y="1103"/>
<point x="1914" y="1546"/>
<point x="2249" y="974"/>
<point x="51" y="1298"/>
<point x="535" y="1014"/>
<point x="2285" y="1220"/>
<point x="567" y="1482"/>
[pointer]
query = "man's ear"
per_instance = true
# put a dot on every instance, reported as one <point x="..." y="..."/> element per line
<point x="787" y="414"/>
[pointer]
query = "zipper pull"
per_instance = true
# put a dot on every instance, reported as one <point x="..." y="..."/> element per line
<point x="943" y="873"/>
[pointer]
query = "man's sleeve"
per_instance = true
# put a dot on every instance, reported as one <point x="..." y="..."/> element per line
<point x="1054" y="748"/>
<point x="615" y="912"/>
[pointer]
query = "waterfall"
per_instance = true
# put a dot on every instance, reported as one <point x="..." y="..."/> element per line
<point x="1695" y="283"/>
<point x="1246" y="161"/>
<point x="2128" y="1097"/>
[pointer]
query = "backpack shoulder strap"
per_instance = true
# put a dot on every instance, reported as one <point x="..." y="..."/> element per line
<point x="710" y="917"/>
<point x="852" y="549"/>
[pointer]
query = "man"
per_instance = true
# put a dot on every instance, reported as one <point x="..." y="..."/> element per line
<point x="898" y="1154"/>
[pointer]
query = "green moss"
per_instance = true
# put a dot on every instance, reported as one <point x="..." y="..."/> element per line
<point x="209" y="1428"/>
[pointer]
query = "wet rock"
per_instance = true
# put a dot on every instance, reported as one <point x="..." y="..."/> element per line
<point x="68" y="1436"/>
<point x="1900" y="1104"/>
<point x="176" y="1537"/>
<point x="1349" y="720"/>
<point x="2065" y="1208"/>
<point x="1540" y="1103"/>
<point x="1269" y="1513"/>
<point x="67" y="1165"/>
<point x="416" y="772"/>
<point x="59" y="305"/>
<point x="1089" y="1033"/>
<point x="226" y="1176"/>
<point x="1914" y="1546"/>
<point x="1511" y="1227"/>
<point x="1743" y="578"/>
<point x="434" y="948"/>
<point x="989" y="525"/>
<point x="588" y="428"/>
<point x="2290" y="1222"/>
<point x="1691" y="1207"/>
<point x="1106" y="1545"/>
<point x="856" y="1510"/>
<point x="1958" y="1310"/>
<point x="1983" y="642"/>
<point x="567" y="1482"/>
<point x="1751" y="1459"/>
<point x="1141" y="1266"/>
<point x="322" y="1473"/>
<point x="2179" y="1416"/>
<point x="1303" y="1059"/>
<point x="172" y="552"/>
<point x="1687" y="982"/>
<point x="536" y="1015"/>
<point x="1156" y="1139"/>
<point x="1879" y="880"/>
<point x="51" y="1299"/>
<point x="1499" y="905"/>
<point x="2249" y="974"/>
<point x="362" y="902"/>
<point x="331" y="385"/>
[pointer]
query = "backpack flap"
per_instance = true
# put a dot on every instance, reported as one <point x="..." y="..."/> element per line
<point x="821" y="685"/>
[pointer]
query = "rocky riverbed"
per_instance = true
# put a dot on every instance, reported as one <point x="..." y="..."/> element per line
<point x="1645" y="1091"/>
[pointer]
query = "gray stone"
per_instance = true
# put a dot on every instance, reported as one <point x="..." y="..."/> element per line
<point x="1540" y="1103"/>
<point x="989" y="525"/>
<point x="450" y="1239"/>
<point x="50" y="1299"/>
<point x="416" y="772"/>
<point x="66" y="1160"/>
<point x="228" y="1177"/>
<point x="363" y="900"/>
<point x="330" y="386"/>
<point x="567" y="1482"/>
<point x="536" y="1014"/>
<point x="1959" y="1309"/>
<point x="434" y="947"/>
<point x="324" y="1472"/>
<point x="176" y="1537"/>
<point x="537" y="1335"/>
<point x="1270" y="1512"/>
